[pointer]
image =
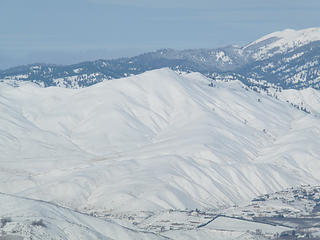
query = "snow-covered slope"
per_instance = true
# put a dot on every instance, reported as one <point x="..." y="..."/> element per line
<point x="154" y="141"/>
<point x="282" y="41"/>
<point x="308" y="99"/>
<point x="32" y="219"/>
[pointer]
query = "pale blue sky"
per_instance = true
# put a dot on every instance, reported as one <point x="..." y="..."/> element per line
<point x="69" y="31"/>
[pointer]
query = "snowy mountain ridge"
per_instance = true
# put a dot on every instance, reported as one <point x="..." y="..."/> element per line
<point x="283" y="41"/>
<point x="288" y="59"/>
<point x="130" y="148"/>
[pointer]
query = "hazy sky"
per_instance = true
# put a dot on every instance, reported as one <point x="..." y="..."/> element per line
<point x="69" y="31"/>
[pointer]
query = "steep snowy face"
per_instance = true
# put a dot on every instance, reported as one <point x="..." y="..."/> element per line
<point x="280" y="42"/>
<point x="154" y="141"/>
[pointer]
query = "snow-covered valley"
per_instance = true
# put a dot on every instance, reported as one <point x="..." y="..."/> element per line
<point x="150" y="143"/>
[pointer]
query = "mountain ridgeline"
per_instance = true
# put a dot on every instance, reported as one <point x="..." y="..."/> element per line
<point x="288" y="59"/>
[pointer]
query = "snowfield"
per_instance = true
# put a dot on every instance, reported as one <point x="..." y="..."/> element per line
<point x="150" y="142"/>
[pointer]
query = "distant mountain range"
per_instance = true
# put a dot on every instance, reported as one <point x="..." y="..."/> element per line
<point x="288" y="59"/>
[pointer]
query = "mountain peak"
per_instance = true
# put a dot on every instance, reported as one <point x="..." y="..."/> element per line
<point x="281" y="41"/>
<point x="308" y="34"/>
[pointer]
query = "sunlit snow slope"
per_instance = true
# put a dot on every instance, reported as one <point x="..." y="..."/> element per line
<point x="282" y="41"/>
<point x="158" y="140"/>
<point x="41" y="220"/>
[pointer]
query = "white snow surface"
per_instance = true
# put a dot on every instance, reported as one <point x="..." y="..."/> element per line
<point x="237" y="225"/>
<point x="59" y="223"/>
<point x="221" y="56"/>
<point x="223" y="228"/>
<point x="150" y="142"/>
<point x="283" y="41"/>
<point x="308" y="98"/>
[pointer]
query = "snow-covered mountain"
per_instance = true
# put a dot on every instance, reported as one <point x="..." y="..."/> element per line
<point x="131" y="147"/>
<point x="289" y="59"/>
<point x="281" y="42"/>
<point x="286" y="59"/>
